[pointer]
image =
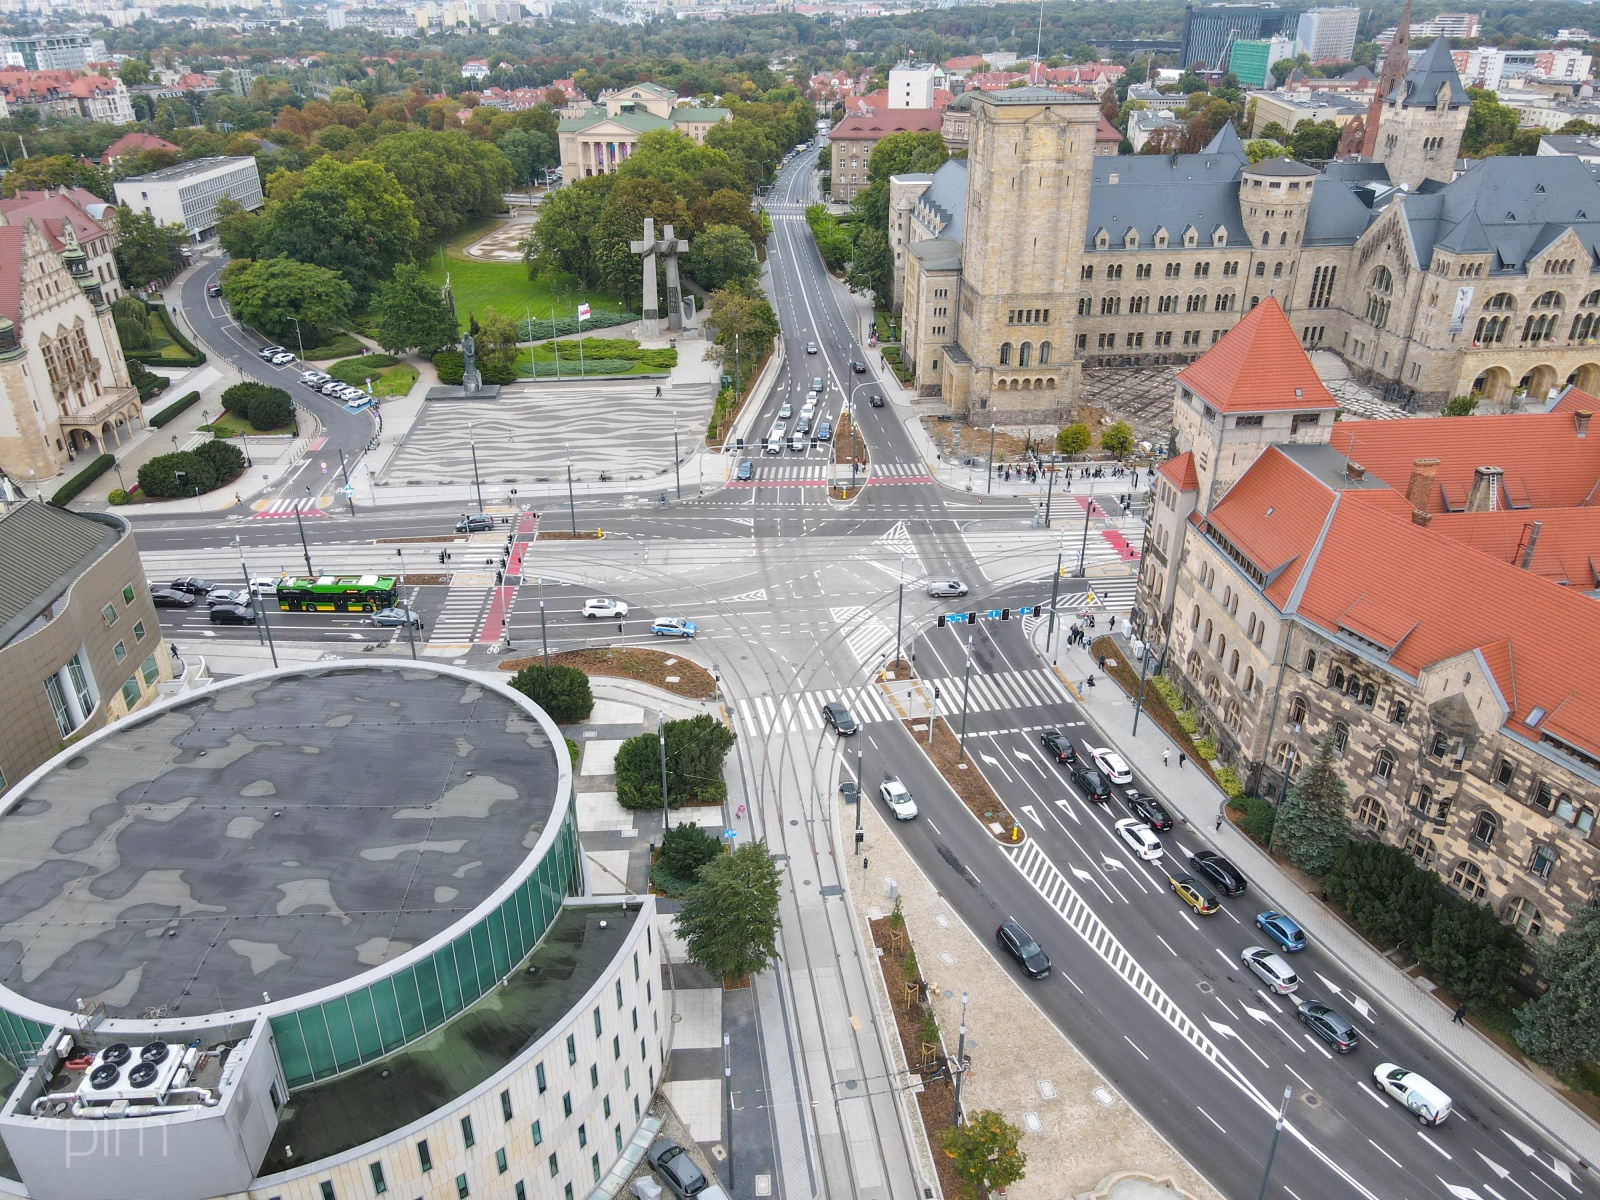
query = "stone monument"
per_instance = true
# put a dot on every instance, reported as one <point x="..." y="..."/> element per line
<point x="669" y="247"/>
<point x="471" y="380"/>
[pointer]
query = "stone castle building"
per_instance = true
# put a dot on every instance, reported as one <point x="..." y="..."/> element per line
<point x="1420" y="592"/>
<point x="1032" y="258"/>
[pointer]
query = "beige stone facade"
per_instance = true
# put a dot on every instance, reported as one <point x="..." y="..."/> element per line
<point x="599" y="139"/>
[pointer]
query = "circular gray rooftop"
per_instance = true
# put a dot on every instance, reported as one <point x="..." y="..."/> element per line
<point x="279" y="834"/>
<point x="1278" y="168"/>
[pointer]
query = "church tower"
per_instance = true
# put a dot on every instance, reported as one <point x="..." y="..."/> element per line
<point x="1419" y="134"/>
<point x="1396" y="64"/>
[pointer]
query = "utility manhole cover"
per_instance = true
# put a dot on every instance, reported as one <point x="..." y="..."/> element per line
<point x="849" y="1085"/>
<point x="1312" y="1100"/>
<point x="1204" y="987"/>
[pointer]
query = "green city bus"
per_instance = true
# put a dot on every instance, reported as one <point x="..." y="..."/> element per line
<point x="338" y="593"/>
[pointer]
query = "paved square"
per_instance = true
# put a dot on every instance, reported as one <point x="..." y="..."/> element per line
<point x="699" y="1104"/>
<point x="699" y="1026"/>
<point x="615" y="712"/>
<point x="600" y="757"/>
<point x="600" y="811"/>
<point x="672" y="947"/>
<point x="608" y="873"/>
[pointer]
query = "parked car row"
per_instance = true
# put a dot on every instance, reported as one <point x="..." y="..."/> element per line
<point x="278" y="356"/>
<point x="327" y="385"/>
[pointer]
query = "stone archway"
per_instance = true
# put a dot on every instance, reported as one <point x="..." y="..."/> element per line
<point x="81" y="441"/>
<point x="1586" y="378"/>
<point x="1539" y="381"/>
<point x="109" y="437"/>
<point x="1493" y="384"/>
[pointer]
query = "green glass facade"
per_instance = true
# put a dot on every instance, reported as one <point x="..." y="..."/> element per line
<point x="345" y="1033"/>
<point x="1249" y="62"/>
<point x="20" y="1038"/>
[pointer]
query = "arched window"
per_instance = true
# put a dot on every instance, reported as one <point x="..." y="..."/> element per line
<point x="1222" y="646"/>
<point x="1044" y="354"/>
<point x="1249" y="679"/>
<point x="1266" y="239"/>
<point x="1261" y="270"/>
<point x="1311" y="661"/>
<point x="1522" y="916"/>
<point x="1194" y="620"/>
<point x="1549" y="300"/>
<point x="1500" y="301"/>
<point x="1382" y="281"/>
<point x="1338" y="679"/>
<point x="1297" y="710"/>
<point x="1369" y="694"/>
<point x="1341" y="737"/>
<point x="1370" y="813"/>
<point x="1467" y="879"/>
<point x="1233" y="665"/>
<point x="1005" y="354"/>
<point x="1213" y="689"/>
<point x="1227" y="593"/>
<point x="1025" y="354"/>
<point x="1207" y="638"/>
<point x="1384" y="769"/>
<point x="1484" y="827"/>
<point x="1192" y="665"/>
<point x="1542" y="861"/>
<point x="1420" y="848"/>
<point x="1231" y="717"/>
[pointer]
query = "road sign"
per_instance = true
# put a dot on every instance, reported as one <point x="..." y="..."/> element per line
<point x="324" y="467"/>
<point x="347" y="490"/>
<point x="956" y="618"/>
<point x="993" y="614"/>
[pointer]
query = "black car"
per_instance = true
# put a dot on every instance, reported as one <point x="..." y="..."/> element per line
<point x="1329" y="1025"/>
<point x="194" y="585"/>
<point x="677" y="1169"/>
<point x="839" y="717"/>
<point x="1091" y="781"/>
<point x="1059" y="745"/>
<point x="746" y="471"/>
<point x="213" y="289"/>
<point x="475" y="523"/>
<point x="860" y="368"/>
<point x="1149" y="810"/>
<point x="875" y="400"/>
<point x="168" y="598"/>
<point x="233" y="614"/>
<point x="1014" y="940"/>
<point x="1222" y="873"/>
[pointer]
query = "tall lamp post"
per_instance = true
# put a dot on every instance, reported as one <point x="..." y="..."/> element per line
<point x="966" y="693"/>
<point x="961" y="1063"/>
<point x="405" y="605"/>
<point x="1083" y="546"/>
<point x="256" y="606"/>
<point x="989" y="487"/>
<point x="899" y="608"/>
<point x="661" y="735"/>
<point x="677" y="477"/>
<point x="476" y="482"/>
<point x="1272" y="1152"/>
<point x="304" y="549"/>
<point x="299" y="341"/>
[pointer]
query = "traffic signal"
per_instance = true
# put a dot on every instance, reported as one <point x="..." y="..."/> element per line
<point x="941" y="620"/>
<point x="1005" y="614"/>
<point x="972" y="618"/>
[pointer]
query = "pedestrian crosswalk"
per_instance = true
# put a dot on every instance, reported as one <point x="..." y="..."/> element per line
<point x="812" y="472"/>
<point x="769" y="714"/>
<point x="1000" y="690"/>
<point x="456" y="627"/>
<point x="865" y="635"/>
<point x="306" y="506"/>
<point x="900" y="472"/>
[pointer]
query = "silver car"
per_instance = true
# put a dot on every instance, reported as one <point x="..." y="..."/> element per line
<point x="946" y="587"/>
<point x="1272" y="970"/>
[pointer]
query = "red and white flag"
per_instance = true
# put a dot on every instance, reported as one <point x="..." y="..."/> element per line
<point x="583" y="312"/>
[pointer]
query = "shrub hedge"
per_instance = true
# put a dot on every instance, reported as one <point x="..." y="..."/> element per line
<point x="695" y="750"/>
<point x="147" y="381"/>
<point x="173" y="409"/>
<point x="563" y="692"/>
<point x="208" y="467"/>
<point x="356" y="371"/>
<point x="565" y="326"/>
<point x="450" y="364"/>
<point x="192" y="355"/>
<point x="264" y="406"/>
<point x="69" y="490"/>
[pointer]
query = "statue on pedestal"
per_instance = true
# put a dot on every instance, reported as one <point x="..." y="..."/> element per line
<point x="471" y="380"/>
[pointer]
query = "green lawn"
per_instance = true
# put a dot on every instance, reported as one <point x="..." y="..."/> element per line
<point x="232" y="425"/>
<point x="504" y="286"/>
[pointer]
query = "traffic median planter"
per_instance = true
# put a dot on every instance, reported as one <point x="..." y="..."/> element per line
<point x="655" y="667"/>
<point x="965" y="779"/>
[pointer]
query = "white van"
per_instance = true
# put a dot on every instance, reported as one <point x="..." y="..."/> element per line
<point x="1430" y="1105"/>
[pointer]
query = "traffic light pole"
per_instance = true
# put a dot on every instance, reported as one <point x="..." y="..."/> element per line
<point x="1055" y="594"/>
<point x="966" y="693"/>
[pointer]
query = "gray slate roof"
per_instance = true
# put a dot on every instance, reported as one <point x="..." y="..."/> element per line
<point x="1161" y="191"/>
<point x="937" y="254"/>
<point x="1511" y="208"/>
<point x="1337" y="217"/>
<point x="44" y="549"/>
<point x="1434" y="70"/>
<point x="947" y="196"/>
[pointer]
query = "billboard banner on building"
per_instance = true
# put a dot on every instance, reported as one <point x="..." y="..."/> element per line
<point x="1458" y="315"/>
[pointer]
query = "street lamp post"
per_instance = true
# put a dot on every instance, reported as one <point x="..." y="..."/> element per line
<point x="966" y="693"/>
<point x="349" y="491"/>
<point x="572" y="505"/>
<point x="899" y="608"/>
<point x="1138" y="703"/>
<point x="405" y="605"/>
<point x="544" y="633"/>
<point x="961" y="1063"/>
<point x="255" y="604"/>
<point x="677" y="477"/>
<point x="304" y="549"/>
<point x="1050" y="487"/>
<point x="661" y="735"/>
<point x="1055" y="594"/>
<point x="1272" y="1152"/>
<point x="299" y="341"/>
<point x="471" y="441"/>
<point x="1083" y="546"/>
<point x="989" y="487"/>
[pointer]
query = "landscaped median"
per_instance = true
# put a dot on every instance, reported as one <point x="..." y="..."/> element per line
<point x="655" y="667"/>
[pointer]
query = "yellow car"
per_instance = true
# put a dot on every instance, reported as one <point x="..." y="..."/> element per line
<point x="1195" y="894"/>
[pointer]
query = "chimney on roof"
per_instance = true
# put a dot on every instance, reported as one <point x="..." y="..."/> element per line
<point x="1354" y="471"/>
<point x="1580" y="421"/>
<point x="1485" y="493"/>
<point x="1419" y="517"/>
<point x="1420" y="490"/>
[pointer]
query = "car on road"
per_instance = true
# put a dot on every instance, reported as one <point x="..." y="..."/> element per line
<point x="1141" y="839"/>
<point x="875" y="400"/>
<point x="1430" y="1105"/>
<point x="1016" y="941"/>
<point x="1224" y="876"/>
<point x="825" y="432"/>
<point x="773" y="445"/>
<point x="811" y="347"/>
<point x="218" y="596"/>
<point x="803" y="425"/>
<point x="1111" y="764"/>
<point x="746" y="471"/>
<point x="677" y="1170"/>
<point x="894" y="794"/>
<point x="798" y="442"/>
<point x="779" y="430"/>
<point x="674" y="627"/>
<point x="946" y="587"/>
<point x="1281" y="929"/>
<point x="233" y="614"/>
<point x="1059" y="745"/>
<point x="396" y="617"/>
<point x="809" y="409"/>
<point x="213" y="289"/>
<point x="194" y="585"/>
<point x="330" y="387"/>
<point x="1329" y="1025"/>
<point x="265" y="586"/>
<point x="1273" y="971"/>
<point x="1149" y="810"/>
<point x="475" y="523"/>
<point x="1091" y="781"/>
<point x="169" y="598"/>
<point x="816" y="383"/>
<point x="839" y="717"/>
<point x="860" y="368"/>
<point x="786" y="410"/>
<point x="267" y="352"/>
<point x="604" y="607"/>
<point x="314" y="379"/>
<point x="281" y="359"/>
<point x="1195" y="894"/>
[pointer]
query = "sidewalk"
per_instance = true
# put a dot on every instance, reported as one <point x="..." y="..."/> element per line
<point x="1199" y="802"/>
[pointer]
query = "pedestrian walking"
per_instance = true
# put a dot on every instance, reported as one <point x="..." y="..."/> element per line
<point x="1166" y="758"/>
<point x="1219" y="818"/>
<point x="658" y="391"/>
<point x="1182" y="758"/>
<point x="1460" y="1015"/>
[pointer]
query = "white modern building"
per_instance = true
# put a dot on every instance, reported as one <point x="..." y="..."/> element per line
<point x="368" y="967"/>
<point x="187" y="194"/>
<point x="1327" y="34"/>
<point x="911" y="85"/>
<point x="55" y="51"/>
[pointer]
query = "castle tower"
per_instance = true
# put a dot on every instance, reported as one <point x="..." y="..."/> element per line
<point x="1423" y="119"/>
<point x="1274" y="200"/>
<point x="1395" y="65"/>
<point x="1030" y="164"/>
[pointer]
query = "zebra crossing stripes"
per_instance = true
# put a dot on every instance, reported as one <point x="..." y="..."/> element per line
<point x="306" y="506"/>
<point x="1000" y="690"/>
<point x="785" y="714"/>
<point x="867" y="638"/>
<point x="456" y="626"/>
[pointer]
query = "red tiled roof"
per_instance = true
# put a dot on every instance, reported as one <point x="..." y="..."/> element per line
<point x="49" y="211"/>
<point x="137" y="141"/>
<point x="1259" y="366"/>
<point x="881" y="124"/>
<point x="1572" y="400"/>
<point x="1180" y="473"/>
<point x="1569" y="540"/>
<point x="11" y="272"/>
<point x="1544" y="461"/>
<point x="1107" y="132"/>
<point x="1273" y="516"/>
<point x="965" y="62"/>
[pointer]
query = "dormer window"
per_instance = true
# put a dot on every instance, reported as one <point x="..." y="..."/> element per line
<point x="1219" y="236"/>
<point x="1161" y="238"/>
<point x="1130" y="240"/>
<point x="1102" y="240"/>
<point x="1190" y="237"/>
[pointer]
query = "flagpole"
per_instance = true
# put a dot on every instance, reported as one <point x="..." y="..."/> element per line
<point x="583" y="313"/>
<point x="555" y="338"/>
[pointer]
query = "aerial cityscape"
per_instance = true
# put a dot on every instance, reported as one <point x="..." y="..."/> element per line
<point x="708" y="599"/>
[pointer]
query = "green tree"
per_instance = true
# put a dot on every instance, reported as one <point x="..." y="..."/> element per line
<point x="1562" y="1027"/>
<point x="240" y="232"/>
<point x="872" y="268"/>
<point x="53" y="171"/>
<point x="409" y="312"/>
<point x="686" y="848"/>
<point x="450" y="177"/>
<point x="561" y="240"/>
<point x="1261" y="148"/>
<point x="729" y="920"/>
<point x="563" y="692"/>
<point x="271" y="410"/>
<point x="748" y="146"/>
<point x="986" y="1152"/>
<point x="497" y="346"/>
<point x="1314" y="140"/>
<point x="272" y="294"/>
<point x="741" y="311"/>
<point x="1388" y="897"/>
<point x="833" y="243"/>
<point x="134" y="72"/>
<point x="1117" y="440"/>
<point x="1074" y="439"/>
<point x="721" y="254"/>
<point x="1461" y="406"/>
<point x="1274" y="132"/>
<point x="1472" y="953"/>
<point x="1311" y="825"/>
<point x="530" y="152"/>
<point x="632" y="199"/>
<point x="897" y="154"/>
<point x="146" y="249"/>
<point x="1489" y="123"/>
<point x="695" y="751"/>
<point x="352" y="218"/>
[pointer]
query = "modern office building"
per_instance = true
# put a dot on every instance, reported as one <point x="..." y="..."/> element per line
<point x="911" y="85"/>
<point x="80" y="645"/>
<point x="319" y="933"/>
<point x="1327" y="34"/>
<point x="1209" y="32"/>
<point x="55" y="51"/>
<point x="1252" y="59"/>
<point x="187" y="194"/>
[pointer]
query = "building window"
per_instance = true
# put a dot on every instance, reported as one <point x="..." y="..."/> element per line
<point x="1005" y="354"/>
<point x="466" y="1133"/>
<point x="380" y="1185"/>
<point x="1440" y="745"/>
<point x="583" y="1136"/>
<point x="327" y="1190"/>
<point x="505" y="1105"/>
<point x="555" y="1169"/>
<point x="1522" y="916"/>
<point x="1504" y="774"/>
<point x="461" y="1188"/>
<point x="71" y="695"/>
<point x="1385" y="768"/>
<point x="572" y="1049"/>
<point x="109" y="612"/>
<point x="616" y="1047"/>
<point x="1341" y="737"/>
<point x="538" y="1074"/>
<point x="130" y="692"/>
<point x="119" y="652"/>
<point x="1399" y="712"/>
<point x="1044" y="354"/>
<point x="1543" y="795"/>
<point x="500" y="1160"/>
<point x="423" y="1156"/>
<point x="1297" y="710"/>
<point x="1420" y="848"/>
<point x="1484" y="828"/>
<point x="1311" y="661"/>
<point x="538" y="1134"/>
<point x="138" y="631"/>
<point x="594" y="1166"/>
<point x="1467" y="879"/>
<point x="566" y="1104"/>
<point x="1542" y="862"/>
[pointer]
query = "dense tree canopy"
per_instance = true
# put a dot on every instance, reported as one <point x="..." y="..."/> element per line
<point x="410" y="313"/>
<point x="352" y="218"/>
<point x="147" y="250"/>
<point x="272" y="294"/>
<point x="449" y="177"/>
<point x="562" y="239"/>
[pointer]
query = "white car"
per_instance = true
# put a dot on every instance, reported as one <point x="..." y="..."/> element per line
<point x="265" y="585"/>
<point x="1111" y="764"/>
<point x="1278" y="975"/>
<point x="1430" y="1105"/>
<point x="808" y="410"/>
<point x="899" y="800"/>
<point x="778" y="431"/>
<point x="785" y="410"/>
<point x="604" y="608"/>
<point x="1141" y="839"/>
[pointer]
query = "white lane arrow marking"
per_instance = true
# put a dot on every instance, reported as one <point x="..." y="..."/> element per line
<point x="1227" y="1031"/>
<point x="1032" y="816"/>
<point x="1112" y="864"/>
<point x="1355" y="1002"/>
<point x="1555" y="1165"/>
<point x="1504" y="1174"/>
<point x="1069" y="810"/>
<point x="1082" y="874"/>
<point x="1460" y="1193"/>
<point x="1259" y="1014"/>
